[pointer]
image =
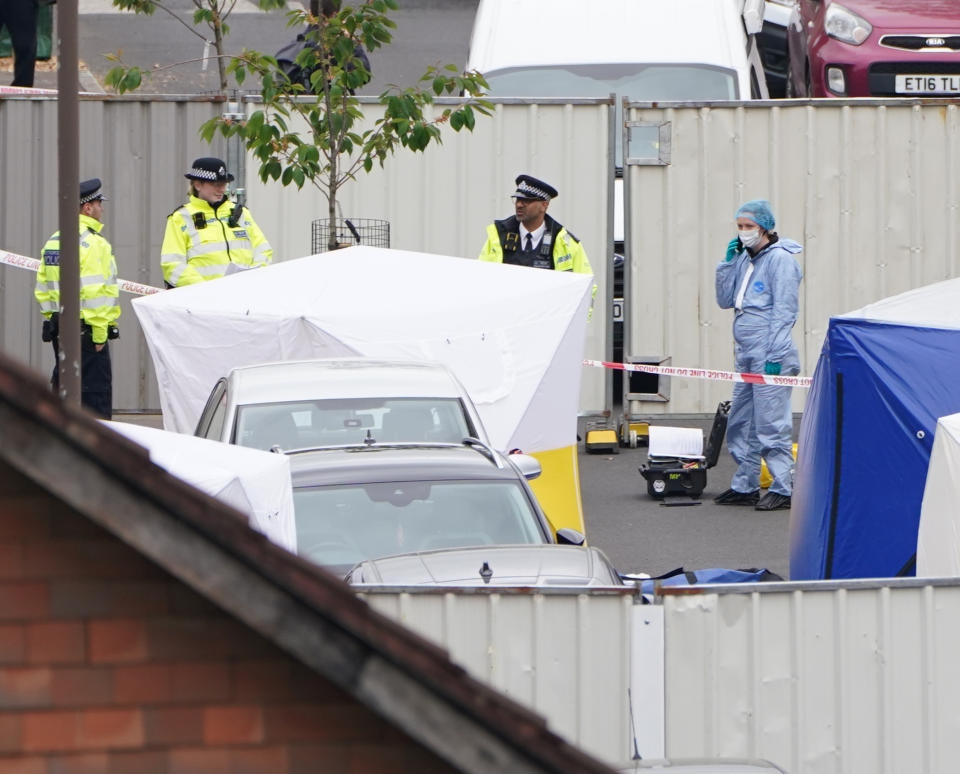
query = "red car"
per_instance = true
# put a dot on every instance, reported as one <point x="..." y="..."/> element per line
<point x="874" y="48"/>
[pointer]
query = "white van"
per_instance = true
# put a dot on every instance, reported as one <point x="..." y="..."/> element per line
<point x="646" y="50"/>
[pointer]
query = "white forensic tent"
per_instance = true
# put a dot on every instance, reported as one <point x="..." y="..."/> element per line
<point x="938" y="539"/>
<point x="513" y="336"/>
<point x="254" y="482"/>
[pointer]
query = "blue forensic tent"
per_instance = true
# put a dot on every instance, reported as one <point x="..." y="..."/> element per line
<point x="887" y="372"/>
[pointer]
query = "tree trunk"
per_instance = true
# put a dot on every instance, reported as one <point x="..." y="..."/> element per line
<point x="218" y="46"/>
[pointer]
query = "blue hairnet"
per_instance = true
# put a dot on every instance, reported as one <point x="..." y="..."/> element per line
<point x="759" y="212"/>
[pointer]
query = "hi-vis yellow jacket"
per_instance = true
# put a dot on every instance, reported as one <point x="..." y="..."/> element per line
<point x="99" y="290"/>
<point x="502" y="247"/>
<point x="201" y="241"/>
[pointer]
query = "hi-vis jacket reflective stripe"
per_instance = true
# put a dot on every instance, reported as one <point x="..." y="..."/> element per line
<point x="191" y="254"/>
<point x="99" y="290"/>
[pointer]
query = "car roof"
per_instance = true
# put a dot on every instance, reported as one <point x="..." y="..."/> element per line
<point x="341" y="378"/>
<point x="513" y="565"/>
<point x="396" y="462"/>
<point x="529" y="33"/>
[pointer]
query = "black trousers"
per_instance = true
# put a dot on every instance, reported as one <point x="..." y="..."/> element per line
<point x="20" y="19"/>
<point x="96" y="375"/>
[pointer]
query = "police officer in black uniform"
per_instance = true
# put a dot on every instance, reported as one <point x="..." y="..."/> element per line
<point x="532" y="238"/>
<point x="99" y="301"/>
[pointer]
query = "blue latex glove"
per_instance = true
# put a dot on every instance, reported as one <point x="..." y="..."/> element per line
<point x="771" y="369"/>
<point x="734" y="249"/>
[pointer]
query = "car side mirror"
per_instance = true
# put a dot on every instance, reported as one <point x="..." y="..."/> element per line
<point x="528" y="465"/>
<point x="570" y="537"/>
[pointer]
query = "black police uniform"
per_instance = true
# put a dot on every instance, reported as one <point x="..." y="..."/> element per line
<point x="541" y="256"/>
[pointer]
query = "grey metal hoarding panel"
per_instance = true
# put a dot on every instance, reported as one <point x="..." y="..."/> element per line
<point x="819" y="678"/>
<point x="437" y="201"/>
<point x="563" y="653"/>
<point x="140" y="148"/>
<point x="864" y="186"/>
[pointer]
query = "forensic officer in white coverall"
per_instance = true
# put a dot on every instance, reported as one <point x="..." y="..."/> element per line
<point x="760" y="280"/>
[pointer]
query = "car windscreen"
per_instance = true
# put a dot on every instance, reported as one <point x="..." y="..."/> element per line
<point x="349" y="421"/>
<point x="343" y="525"/>
<point x="638" y="82"/>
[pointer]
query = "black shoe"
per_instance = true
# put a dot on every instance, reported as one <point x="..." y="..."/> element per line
<point x="772" y="501"/>
<point x="733" y="497"/>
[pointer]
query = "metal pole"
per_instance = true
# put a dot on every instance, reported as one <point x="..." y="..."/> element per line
<point x="69" y="197"/>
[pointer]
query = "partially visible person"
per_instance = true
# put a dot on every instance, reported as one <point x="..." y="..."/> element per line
<point x="99" y="302"/>
<point x="287" y="56"/>
<point x="530" y="237"/>
<point x="20" y="19"/>
<point x="759" y="279"/>
<point x="209" y="233"/>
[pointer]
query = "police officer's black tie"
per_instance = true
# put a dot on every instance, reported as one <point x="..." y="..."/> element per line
<point x="529" y="246"/>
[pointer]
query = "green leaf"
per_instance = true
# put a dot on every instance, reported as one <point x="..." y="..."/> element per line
<point x="115" y="77"/>
<point x="132" y="79"/>
<point x="456" y="121"/>
<point x="254" y="124"/>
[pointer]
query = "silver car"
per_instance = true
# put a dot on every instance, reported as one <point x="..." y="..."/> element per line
<point x="492" y="566"/>
<point x="365" y="502"/>
<point x="339" y="402"/>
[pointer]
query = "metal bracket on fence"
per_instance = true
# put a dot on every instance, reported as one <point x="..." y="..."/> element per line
<point x="647" y="143"/>
<point x="236" y="156"/>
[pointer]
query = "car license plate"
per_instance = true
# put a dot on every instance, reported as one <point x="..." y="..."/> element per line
<point x="927" y="84"/>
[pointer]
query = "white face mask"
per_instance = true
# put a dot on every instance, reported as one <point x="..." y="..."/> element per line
<point x="750" y="238"/>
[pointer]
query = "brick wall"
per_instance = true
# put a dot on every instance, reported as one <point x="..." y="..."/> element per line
<point x="108" y="664"/>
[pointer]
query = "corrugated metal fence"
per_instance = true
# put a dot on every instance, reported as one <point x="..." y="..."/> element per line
<point x="867" y="187"/>
<point x="563" y="653"/>
<point x="821" y="678"/>
<point x="437" y="201"/>
<point x="852" y="677"/>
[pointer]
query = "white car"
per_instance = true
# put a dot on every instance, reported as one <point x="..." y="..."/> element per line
<point x="339" y="402"/>
<point x="646" y="51"/>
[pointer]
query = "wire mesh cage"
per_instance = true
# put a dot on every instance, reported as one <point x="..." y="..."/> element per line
<point x="349" y="232"/>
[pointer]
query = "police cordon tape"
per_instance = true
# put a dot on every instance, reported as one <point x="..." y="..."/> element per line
<point x="703" y="373"/>
<point x="26" y="90"/>
<point x="25" y="262"/>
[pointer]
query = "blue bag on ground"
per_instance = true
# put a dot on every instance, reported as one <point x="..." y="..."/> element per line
<point x="680" y="577"/>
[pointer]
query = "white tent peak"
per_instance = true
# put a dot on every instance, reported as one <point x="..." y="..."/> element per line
<point x="930" y="306"/>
